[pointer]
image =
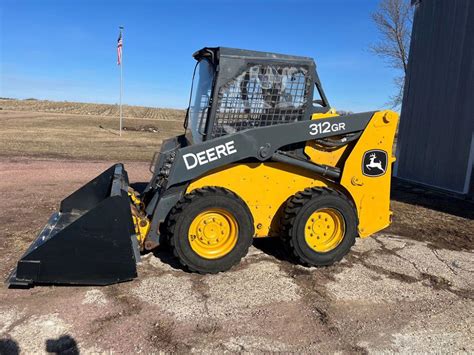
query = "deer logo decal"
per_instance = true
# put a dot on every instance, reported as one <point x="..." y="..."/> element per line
<point x="374" y="163"/>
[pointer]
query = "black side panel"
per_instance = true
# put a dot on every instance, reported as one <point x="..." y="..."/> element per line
<point x="89" y="195"/>
<point x="89" y="247"/>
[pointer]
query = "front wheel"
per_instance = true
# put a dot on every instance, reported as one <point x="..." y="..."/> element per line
<point x="210" y="230"/>
<point x="320" y="226"/>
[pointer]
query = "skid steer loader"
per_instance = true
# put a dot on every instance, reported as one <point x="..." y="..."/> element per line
<point x="263" y="154"/>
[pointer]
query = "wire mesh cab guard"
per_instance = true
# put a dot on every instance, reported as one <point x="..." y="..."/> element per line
<point x="262" y="95"/>
<point x="256" y="89"/>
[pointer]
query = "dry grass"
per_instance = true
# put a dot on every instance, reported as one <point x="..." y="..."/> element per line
<point x="84" y="136"/>
<point x="79" y="108"/>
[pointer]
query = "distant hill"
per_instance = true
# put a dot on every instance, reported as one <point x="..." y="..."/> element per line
<point x="80" y="108"/>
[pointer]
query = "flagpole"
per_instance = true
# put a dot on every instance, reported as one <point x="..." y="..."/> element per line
<point x="121" y="82"/>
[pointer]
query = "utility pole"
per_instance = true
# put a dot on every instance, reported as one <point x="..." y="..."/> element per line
<point x="120" y="62"/>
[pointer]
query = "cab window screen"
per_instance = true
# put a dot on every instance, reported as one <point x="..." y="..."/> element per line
<point x="263" y="95"/>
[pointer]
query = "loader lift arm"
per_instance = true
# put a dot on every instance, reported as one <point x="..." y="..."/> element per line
<point x="259" y="143"/>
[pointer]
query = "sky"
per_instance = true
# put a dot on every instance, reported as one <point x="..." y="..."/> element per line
<point x="65" y="50"/>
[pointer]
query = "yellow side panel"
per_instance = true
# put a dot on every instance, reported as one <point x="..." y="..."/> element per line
<point x="265" y="187"/>
<point x="331" y="158"/>
<point x="331" y="113"/>
<point x="372" y="194"/>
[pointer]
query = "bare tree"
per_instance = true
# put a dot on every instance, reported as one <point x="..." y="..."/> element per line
<point x="394" y="20"/>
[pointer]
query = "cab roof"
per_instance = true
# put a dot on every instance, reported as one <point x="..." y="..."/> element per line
<point x="215" y="54"/>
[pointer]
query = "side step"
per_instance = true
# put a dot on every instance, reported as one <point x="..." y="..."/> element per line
<point x="90" y="241"/>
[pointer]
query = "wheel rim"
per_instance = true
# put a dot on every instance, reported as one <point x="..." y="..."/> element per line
<point x="213" y="233"/>
<point x="325" y="230"/>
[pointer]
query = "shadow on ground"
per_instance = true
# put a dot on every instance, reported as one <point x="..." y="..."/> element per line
<point x="431" y="198"/>
<point x="165" y="255"/>
<point x="64" y="345"/>
<point x="273" y="247"/>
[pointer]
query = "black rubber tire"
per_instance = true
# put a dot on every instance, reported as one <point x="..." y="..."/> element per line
<point x="297" y="211"/>
<point x="182" y="215"/>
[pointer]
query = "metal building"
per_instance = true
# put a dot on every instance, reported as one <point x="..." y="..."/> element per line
<point x="436" y="133"/>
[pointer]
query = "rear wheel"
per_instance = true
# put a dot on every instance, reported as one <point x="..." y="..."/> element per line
<point x="320" y="226"/>
<point x="210" y="230"/>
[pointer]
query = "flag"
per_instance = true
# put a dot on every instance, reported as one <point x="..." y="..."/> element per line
<point x="119" y="49"/>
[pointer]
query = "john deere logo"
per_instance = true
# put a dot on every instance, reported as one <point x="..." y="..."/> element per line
<point x="374" y="162"/>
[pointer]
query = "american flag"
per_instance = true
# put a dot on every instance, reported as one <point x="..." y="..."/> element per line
<point x="119" y="49"/>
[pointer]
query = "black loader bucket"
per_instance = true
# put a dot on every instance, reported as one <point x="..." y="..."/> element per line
<point x="90" y="241"/>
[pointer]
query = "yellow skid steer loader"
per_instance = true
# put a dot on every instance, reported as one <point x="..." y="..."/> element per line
<point x="263" y="154"/>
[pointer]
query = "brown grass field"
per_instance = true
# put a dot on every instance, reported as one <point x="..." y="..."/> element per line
<point x="408" y="289"/>
<point x="84" y="131"/>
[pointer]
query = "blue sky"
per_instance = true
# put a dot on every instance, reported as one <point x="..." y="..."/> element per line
<point x="66" y="50"/>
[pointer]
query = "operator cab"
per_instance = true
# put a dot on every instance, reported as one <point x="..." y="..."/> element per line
<point x="235" y="89"/>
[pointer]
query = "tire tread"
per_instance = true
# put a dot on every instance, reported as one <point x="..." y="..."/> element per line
<point x="294" y="206"/>
<point x="181" y="206"/>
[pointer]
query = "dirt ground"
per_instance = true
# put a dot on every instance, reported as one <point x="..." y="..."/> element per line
<point x="407" y="289"/>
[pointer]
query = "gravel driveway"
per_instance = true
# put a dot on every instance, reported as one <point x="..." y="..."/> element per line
<point x="396" y="291"/>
